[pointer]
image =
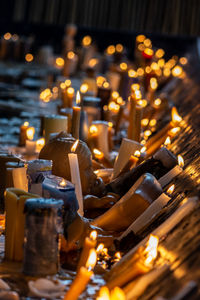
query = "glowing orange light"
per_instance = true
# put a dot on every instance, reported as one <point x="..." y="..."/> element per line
<point x="117" y="294"/>
<point x="174" y="131"/>
<point x="137" y="153"/>
<point x="183" y="60"/>
<point x="140" y="72"/>
<point x="93" y="129"/>
<point x="84" y="88"/>
<point x="167" y="141"/>
<point x="171" y="189"/>
<point x="63" y="183"/>
<point x="177" y="71"/>
<point x="30" y="133"/>
<point x="100" y="248"/>
<point x="106" y="85"/>
<point x="55" y="89"/>
<point x="118" y="255"/>
<point x="93" y="62"/>
<point x="7" y="36"/>
<point x="110" y="124"/>
<point x="100" y="80"/>
<point x="67" y="82"/>
<point x="62" y="85"/>
<point x="148" y="70"/>
<point x="147" y="133"/>
<point x="148" y="52"/>
<point x="153" y="83"/>
<point x="157" y="102"/>
<point x="140" y="38"/>
<point x="151" y="249"/>
<point x="86" y="41"/>
<point x="40" y="144"/>
<point x="74" y="146"/>
<point x="91" y="262"/>
<point x="93" y="235"/>
<point x="143" y="149"/>
<point x="142" y="102"/>
<point x="104" y="293"/>
<point x="135" y="87"/>
<point x="70" y="55"/>
<point x="161" y="62"/>
<point x="112" y="106"/>
<point x="110" y="50"/>
<point x="119" y="48"/>
<point x="138" y="95"/>
<point x="152" y="122"/>
<point x="167" y="72"/>
<point x="144" y="122"/>
<point x="29" y="57"/>
<point x="120" y="101"/>
<point x="70" y="91"/>
<point x="160" y="53"/>
<point x="154" y="66"/>
<point x="147" y="43"/>
<point x="115" y="94"/>
<point x="175" y="116"/>
<point x="132" y="73"/>
<point x="60" y="62"/>
<point x="98" y="154"/>
<point x="141" y="47"/>
<point x="123" y="66"/>
<point x="26" y="124"/>
<point x="180" y="161"/>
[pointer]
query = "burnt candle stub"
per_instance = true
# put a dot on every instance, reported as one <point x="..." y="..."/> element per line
<point x="42" y="226"/>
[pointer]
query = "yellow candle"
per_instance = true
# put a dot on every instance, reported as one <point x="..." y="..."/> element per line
<point x="89" y="243"/>
<point x="137" y="125"/>
<point x="131" y="118"/>
<point x="76" y="117"/>
<point x="23" y="137"/>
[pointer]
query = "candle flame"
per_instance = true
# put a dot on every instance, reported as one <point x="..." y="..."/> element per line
<point x="40" y="144"/>
<point x="157" y="102"/>
<point x="144" y="122"/>
<point x="142" y="102"/>
<point x="74" y="146"/>
<point x="98" y="153"/>
<point x="93" y="129"/>
<point x="70" y="55"/>
<point x="147" y="133"/>
<point x="104" y="293"/>
<point x="91" y="262"/>
<point x="180" y="161"/>
<point x="138" y="94"/>
<point x="26" y="124"/>
<point x="112" y="106"/>
<point x="100" y="248"/>
<point x="118" y="255"/>
<point x="70" y="91"/>
<point x="151" y="249"/>
<point x="137" y="153"/>
<point x="152" y="122"/>
<point x="68" y="82"/>
<point x="135" y="86"/>
<point x="153" y="83"/>
<point x="117" y="294"/>
<point x="78" y="98"/>
<point x="115" y="95"/>
<point x="110" y="124"/>
<point x="174" y="131"/>
<point x="86" y="41"/>
<point x="177" y="71"/>
<point x="93" y="235"/>
<point x="30" y="133"/>
<point x="84" y="88"/>
<point x="175" y="116"/>
<point x="143" y="149"/>
<point x="167" y="141"/>
<point x="60" y="62"/>
<point x="106" y="85"/>
<point x="171" y="189"/>
<point x="63" y="183"/>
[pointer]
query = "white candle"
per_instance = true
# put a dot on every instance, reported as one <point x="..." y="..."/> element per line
<point x="75" y="178"/>
<point x="147" y="215"/>
<point x="165" y="227"/>
<point x="30" y="147"/>
<point x="20" y="180"/>
<point x="164" y="180"/>
<point x="102" y="136"/>
<point x="127" y="148"/>
<point x="137" y="288"/>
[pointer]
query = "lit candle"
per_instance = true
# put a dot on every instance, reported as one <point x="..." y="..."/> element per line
<point x="76" y="117"/>
<point x="165" y="179"/>
<point x="101" y="158"/>
<point x="40" y="144"/>
<point x="131" y="117"/>
<point x="152" y="88"/>
<point x="23" y="136"/>
<point x="132" y="162"/>
<point x="75" y="176"/>
<point x="30" y="147"/>
<point x="137" y="127"/>
<point x="82" y="278"/>
<point x="149" y="213"/>
<point x="102" y="136"/>
<point x="89" y="243"/>
<point x="119" y="117"/>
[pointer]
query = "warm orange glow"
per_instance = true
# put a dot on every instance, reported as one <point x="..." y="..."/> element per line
<point x="70" y="55"/>
<point x="152" y="122"/>
<point x="183" y="60"/>
<point x="110" y="124"/>
<point x="93" y="235"/>
<point x="84" y="88"/>
<point x="138" y="95"/>
<point x="167" y="72"/>
<point x="151" y="249"/>
<point x="55" y="89"/>
<point x="62" y="85"/>
<point x="143" y="149"/>
<point x="70" y="91"/>
<point x="157" y="102"/>
<point x="93" y="129"/>
<point x="110" y="50"/>
<point x="140" y="38"/>
<point x="180" y="161"/>
<point x="175" y="116"/>
<point x="119" y="48"/>
<point x="148" y="70"/>
<point x="100" y="80"/>
<point x="155" y="66"/>
<point x="153" y="83"/>
<point x="167" y="141"/>
<point x="177" y="71"/>
<point x="132" y="73"/>
<point x="93" y="62"/>
<point x="86" y="41"/>
<point x="63" y="183"/>
<point x="98" y="154"/>
<point x="137" y="153"/>
<point x="45" y="95"/>
<point x="174" y="131"/>
<point x="120" y="101"/>
<point x="135" y="87"/>
<point x="106" y="85"/>
<point x="104" y="293"/>
<point x="148" y="52"/>
<point x="74" y="146"/>
<point x="161" y="62"/>
<point x="117" y="294"/>
<point x="29" y="57"/>
<point x="143" y="142"/>
<point x="67" y="82"/>
<point x="170" y="190"/>
<point x="118" y="255"/>
<point x="123" y="66"/>
<point x="26" y="124"/>
<point x="147" y="43"/>
<point x="142" y="102"/>
<point x="91" y="262"/>
<point x="40" y="144"/>
<point x="7" y="36"/>
<point x="112" y="106"/>
<point x="60" y="62"/>
<point x="100" y="248"/>
<point x="140" y="72"/>
<point x="144" y="122"/>
<point x="141" y="47"/>
<point x="30" y="133"/>
<point x="160" y="53"/>
<point x="147" y="133"/>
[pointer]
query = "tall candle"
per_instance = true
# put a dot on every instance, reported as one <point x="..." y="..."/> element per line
<point x="23" y="137"/>
<point x="20" y="180"/>
<point x="89" y="243"/>
<point x="75" y="176"/>
<point x="132" y="112"/>
<point x="53" y="124"/>
<point x="30" y="147"/>
<point x="137" y="127"/>
<point x="165" y="179"/>
<point x="102" y="136"/>
<point x="76" y="117"/>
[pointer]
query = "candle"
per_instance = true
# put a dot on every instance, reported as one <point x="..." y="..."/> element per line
<point x="20" y="180"/>
<point x="82" y="278"/>
<point x="152" y="88"/>
<point x="101" y="158"/>
<point x="30" y="133"/>
<point x="15" y="219"/>
<point x="67" y="97"/>
<point x="131" y="163"/>
<point x="127" y="148"/>
<point x="148" y="214"/>
<point x="165" y="179"/>
<point x="76" y="117"/>
<point x="23" y="137"/>
<point x="40" y="144"/>
<point x="89" y="243"/>
<point x="30" y="147"/>
<point x="102" y="137"/>
<point x="119" y="118"/>
<point x="53" y="124"/>
<point x="110" y="135"/>
<point x="75" y="176"/>
<point x="114" y="294"/>
<point x="137" y="127"/>
<point x="132" y="113"/>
